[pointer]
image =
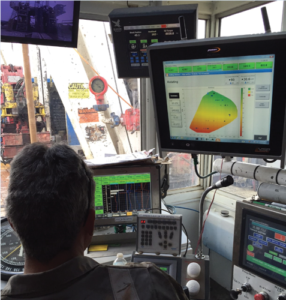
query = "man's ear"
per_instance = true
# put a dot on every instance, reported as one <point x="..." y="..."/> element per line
<point x="89" y="225"/>
<point x="11" y="224"/>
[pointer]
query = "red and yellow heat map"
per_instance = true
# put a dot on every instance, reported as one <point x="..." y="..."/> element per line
<point x="214" y="112"/>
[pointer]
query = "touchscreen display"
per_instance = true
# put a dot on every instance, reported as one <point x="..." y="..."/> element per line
<point x="122" y="193"/>
<point x="264" y="248"/>
<point x="226" y="100"/>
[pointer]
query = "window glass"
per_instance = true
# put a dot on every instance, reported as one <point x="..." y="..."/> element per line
<point x="181" y="171"/>
<point x="243" y="187"/>
<point x="250" y="21"/>
<point x="201" y="29"/>
<point x="64" y="106"/>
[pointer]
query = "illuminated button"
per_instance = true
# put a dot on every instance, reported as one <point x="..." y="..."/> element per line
<point x="261" y="296"/>
<point x="193" y="270"/>
<point x="193" y="287"/>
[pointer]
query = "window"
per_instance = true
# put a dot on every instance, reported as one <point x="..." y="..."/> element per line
<point x="63" y="103"/>
<point x="250" y="21"/>
<point x="243" y="187"/>
<point x="181" y="171"/>
<point x="202" y="29"/>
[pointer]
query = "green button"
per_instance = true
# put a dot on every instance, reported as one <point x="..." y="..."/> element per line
<point x="264" y="65"/>
<point x="268" y="255"/>
<point x="214" y="67"/>
<point x="250" y="247"/>
<point x="278" y="259"/>
<point x="284" y="262"/>
<point x="185" y="69"/>
<point x="154" y="41"/>
<point x="199" y="68"/>
<point x="171" y="70"/>
<point x="99" y="212"/>
<point x="274" y="253"/>
<point x="132" y="42"/>
<point x="247" y="66"/>
<point x="230" y="67"/>
<point x="143" y="41"/>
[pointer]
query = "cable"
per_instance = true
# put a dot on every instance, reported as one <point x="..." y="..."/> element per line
<point x="186" y="208"/>
<point x="187" y="246"/>
<point x="114" y="76"/>
<point x="196" y="162"/>
<point x="202" y="230"/>
<point x="269" y="160"/>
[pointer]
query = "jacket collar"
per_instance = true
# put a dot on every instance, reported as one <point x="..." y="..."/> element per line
<point x="50" y="281"/>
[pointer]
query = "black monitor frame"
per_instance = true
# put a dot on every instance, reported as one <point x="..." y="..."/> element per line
<point x="43" y="42"/>
<point x="186" y="15"/>
<point x="229" y="47"/>
<point x="123" y="218"/>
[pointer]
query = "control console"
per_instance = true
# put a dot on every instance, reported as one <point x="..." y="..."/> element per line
<point x="160" y="234"/>
<point x="249" y="286"/>
<point x="259" y="253"/>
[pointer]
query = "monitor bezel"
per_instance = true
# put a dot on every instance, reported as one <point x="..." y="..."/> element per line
<point x="246" y="212"/>
<point x="154" y="171"/>
<point x="43" y="42"/>
<point x="230" y="47"/>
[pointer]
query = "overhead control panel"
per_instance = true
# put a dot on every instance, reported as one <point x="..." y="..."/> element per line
<point x="134" y="29"/>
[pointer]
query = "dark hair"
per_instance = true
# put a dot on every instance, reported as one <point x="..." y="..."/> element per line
<point x="48" y="198"/>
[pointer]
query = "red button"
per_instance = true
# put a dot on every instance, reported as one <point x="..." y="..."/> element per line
<point x="259" y="297"/>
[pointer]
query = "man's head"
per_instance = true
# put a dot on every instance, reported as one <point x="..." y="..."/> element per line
<point x="49" y="199"/>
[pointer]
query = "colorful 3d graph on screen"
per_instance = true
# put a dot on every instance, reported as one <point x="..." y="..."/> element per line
<point x="214" y="112"/>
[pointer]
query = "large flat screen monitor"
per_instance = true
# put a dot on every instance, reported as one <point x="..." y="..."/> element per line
<point x="263" y="246"/>
<point x="122" y="193"/>
<point x="52" y="23"/>
<point x="221" y="96"/>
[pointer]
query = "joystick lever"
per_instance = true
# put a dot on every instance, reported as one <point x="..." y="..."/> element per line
<point x="246" y="287"/>
<point x="234" y="293"/>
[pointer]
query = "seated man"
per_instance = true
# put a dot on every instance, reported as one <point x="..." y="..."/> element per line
<point x="50" y="205"/>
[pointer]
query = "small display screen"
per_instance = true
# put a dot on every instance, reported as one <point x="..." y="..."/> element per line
<point x="264" y="248"/>
<point x="142" y="36"/>
<point x="122" y="194"/>
<point x="226" y="100"/>
<point x="46" y="20"/>
<point x="164" y="268"/>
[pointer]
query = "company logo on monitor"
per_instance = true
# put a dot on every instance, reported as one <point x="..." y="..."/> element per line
<point x="214" y="50"/>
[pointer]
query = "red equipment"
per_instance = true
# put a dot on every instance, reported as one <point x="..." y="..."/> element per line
<point x="98" y="87"/>
<point x="131" y="119"/>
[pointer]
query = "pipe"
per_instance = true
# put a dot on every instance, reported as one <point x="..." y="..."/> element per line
<point x="272" y="192"/>
<point x="201" y="216"/>
<point x="29" y="94"/>
<point x="252" y="171"/>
